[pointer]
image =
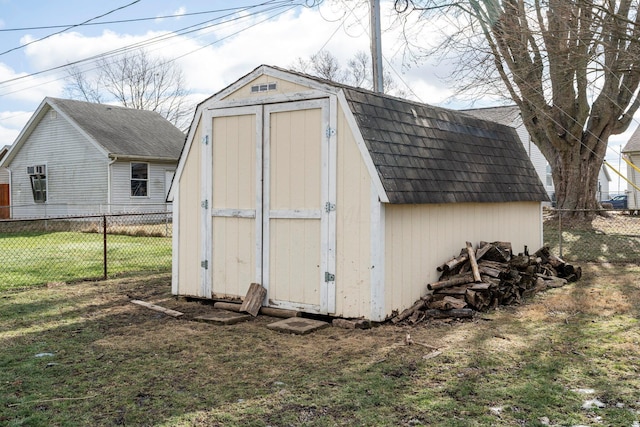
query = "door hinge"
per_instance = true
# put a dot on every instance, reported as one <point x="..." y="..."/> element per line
<point x="328" y="277"/>
<point x="204" y="204"/>
<point x="328" y="207"/>
<point x="205" y="140"/>
<point x="205" y="264"/>
<point x="329" y="132"/>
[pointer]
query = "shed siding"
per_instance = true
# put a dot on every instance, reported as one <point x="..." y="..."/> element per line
<point x="353" y="217"/>
<point x="189" y="222"/>
<point x="282" y="87"/>
<point x="121" y="200"/>
<point x="419" y="238"/>
<point x="76" y="175"/>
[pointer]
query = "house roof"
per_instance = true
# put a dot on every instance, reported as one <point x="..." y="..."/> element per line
<point x="506" y="115"/>
<point x="427" y="154"/>
<point x="634" y="142"/>
<point x="117" y="131"/>
<point x="124" y="131"/>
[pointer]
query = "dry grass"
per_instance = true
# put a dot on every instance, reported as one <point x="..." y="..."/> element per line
<point x="115" y="363"/>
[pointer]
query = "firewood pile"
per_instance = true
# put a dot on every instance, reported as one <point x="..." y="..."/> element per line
<point x="483" y="278"/>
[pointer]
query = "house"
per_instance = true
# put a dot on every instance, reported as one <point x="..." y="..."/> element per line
<point x="77" y="158"/>
<point x="5" y="199"/>
<point x="338" y="200"/>
<point x="631" y="152"/>
<point x="510" y="115"/>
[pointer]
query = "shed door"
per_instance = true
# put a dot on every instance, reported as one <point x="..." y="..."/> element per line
<point x="271" y="180"/>
<point x="298" y="237"/>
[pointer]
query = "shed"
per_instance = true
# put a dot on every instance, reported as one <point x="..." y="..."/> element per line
<point x="338" y="200"/>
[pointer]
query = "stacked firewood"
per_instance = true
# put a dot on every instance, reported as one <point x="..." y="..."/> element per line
<point x="483" y="278"/>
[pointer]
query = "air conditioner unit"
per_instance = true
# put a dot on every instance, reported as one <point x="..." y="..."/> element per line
<point x="37" y="170"/>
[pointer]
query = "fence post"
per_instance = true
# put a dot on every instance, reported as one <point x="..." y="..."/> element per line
<point x="104" y="247"/>
<point x="560" y="233"/>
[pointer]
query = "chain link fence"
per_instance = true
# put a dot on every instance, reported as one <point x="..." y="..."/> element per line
<point x="607" y="236"/>
<point x="41" y="251"/>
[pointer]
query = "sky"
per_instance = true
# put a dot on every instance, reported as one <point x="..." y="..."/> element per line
<point x="214" y="42"/>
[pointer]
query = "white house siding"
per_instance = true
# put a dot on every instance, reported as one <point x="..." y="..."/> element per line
<point x="353" y="217"/>
<point x="188" y="229"/>
<point x="121" y="200"/>
<point x="4" y="176"/>
<point x="76" y="175"/>
<point x="419" y="238"/>
<point x="633" y="201"/>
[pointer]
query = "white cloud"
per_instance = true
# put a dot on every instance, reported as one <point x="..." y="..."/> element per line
<point x="11" y="123"/>
<point x="22" y="87"/>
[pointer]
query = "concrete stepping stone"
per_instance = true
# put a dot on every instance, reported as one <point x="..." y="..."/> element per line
<point x="223" y="317"/>
<point x="297" y="325"/>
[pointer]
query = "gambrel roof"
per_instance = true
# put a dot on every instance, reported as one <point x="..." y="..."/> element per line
<point x="118" y="131"/>
<point x="421" y="153"/>
<point x="427" y="154"/>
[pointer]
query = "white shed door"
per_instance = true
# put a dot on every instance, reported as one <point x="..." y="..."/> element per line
<point x="273" y="193"/>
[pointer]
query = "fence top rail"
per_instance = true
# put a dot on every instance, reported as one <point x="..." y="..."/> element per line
<point x="60" y="218"/>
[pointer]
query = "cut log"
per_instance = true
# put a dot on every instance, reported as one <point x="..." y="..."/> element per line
<point x="482" y="250"/>
<point x="253" y="300"/>
<point x="461" y="313"/>
<point x="417" y="306"/>
<point x="453" y="281"/>
<point x="453" y="263"/>
<point x="448" y="303"/>
<point x="473" y="262"/>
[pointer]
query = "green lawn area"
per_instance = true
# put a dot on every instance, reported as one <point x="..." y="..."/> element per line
<point x="35" y="258"/>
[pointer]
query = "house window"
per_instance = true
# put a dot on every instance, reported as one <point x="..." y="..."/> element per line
<point x="39" y="187"/>
<point x="549" y="176"/>
<point x="139" y="179"/>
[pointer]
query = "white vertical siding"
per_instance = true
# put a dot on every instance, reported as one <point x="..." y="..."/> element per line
<point x="76" y="171"/>
<point x="419" y="238"/>
<point x="633" y="176"/>
<point x="4" y="176"/>
<point x="121" y="199"/>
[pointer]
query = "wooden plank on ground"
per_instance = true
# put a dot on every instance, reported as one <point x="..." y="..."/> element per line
<point x="154" y="307"/>
<point x="253" y="300"/>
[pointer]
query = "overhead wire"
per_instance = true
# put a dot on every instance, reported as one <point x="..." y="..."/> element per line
<point x="68" y="28"/>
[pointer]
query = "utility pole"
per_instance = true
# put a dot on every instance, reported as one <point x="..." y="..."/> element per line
<point x="376" y="47"/>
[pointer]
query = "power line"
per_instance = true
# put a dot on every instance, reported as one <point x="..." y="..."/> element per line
<point x="68" y="28"/>
<point x="121" y="21"/>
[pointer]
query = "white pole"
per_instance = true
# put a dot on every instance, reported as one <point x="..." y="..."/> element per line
<point x="376" y="47"/>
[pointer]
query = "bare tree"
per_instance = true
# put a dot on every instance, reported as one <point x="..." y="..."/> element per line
<point x="135" y="80"/>
<point x="356" y="73"/>
<point x="572" y="67"/>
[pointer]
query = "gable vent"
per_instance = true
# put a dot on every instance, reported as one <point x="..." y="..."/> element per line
<point x="263" y="87"/>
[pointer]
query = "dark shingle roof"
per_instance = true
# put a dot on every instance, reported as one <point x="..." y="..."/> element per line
<point x="426" y="154"/>
<point x="125" y="131"/>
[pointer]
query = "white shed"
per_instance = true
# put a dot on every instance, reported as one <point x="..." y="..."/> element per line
<point x="339" y="200"/>
<point x="631" y="151"/>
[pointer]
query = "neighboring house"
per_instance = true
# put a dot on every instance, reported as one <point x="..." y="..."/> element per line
<point x="77" y="158"/>
<point x="632" y="153"/>
<point x="339" y="200"/>
<point x="510" y="116"/>
<point x="5" y="199"/>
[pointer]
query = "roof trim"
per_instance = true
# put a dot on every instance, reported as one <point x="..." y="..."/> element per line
<point x="364" y="151"/>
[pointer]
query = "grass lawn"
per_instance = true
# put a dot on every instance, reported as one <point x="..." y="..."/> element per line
<point x="35" y="258"/>
<point x="82" y="354"/>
